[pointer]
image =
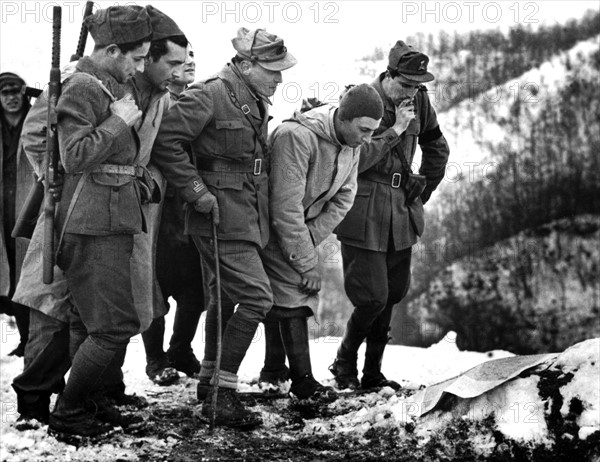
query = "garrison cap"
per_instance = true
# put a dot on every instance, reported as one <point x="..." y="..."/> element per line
<point x="9" y="79"/>
<point x="162" y="25"/>
<point x="119" y="25"/>
<point x="409" y="63"/>
<point x="266" y="49"/>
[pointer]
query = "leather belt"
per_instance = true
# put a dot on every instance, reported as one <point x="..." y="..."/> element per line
<point x="130" y="170"/>
<point x="391" y="179"/>
<point x="220" y="165"/>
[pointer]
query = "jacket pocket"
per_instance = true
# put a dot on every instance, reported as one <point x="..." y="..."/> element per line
<point x="233" y="201"/>
<point x="354" y="225"/>
<point x="229" y="136"/>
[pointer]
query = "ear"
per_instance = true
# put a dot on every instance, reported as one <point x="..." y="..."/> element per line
<point x="245" y="66"/>
<point x="112" y="50"/>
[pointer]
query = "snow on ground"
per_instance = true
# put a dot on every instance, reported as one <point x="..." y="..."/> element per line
<point x="520" y="408"/>
<point x="411" y="366"/>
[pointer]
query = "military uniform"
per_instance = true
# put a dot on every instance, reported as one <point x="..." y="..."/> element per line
<point x="224" y="121"/>
<point x="378" y="232"/>
<point x="231" y="163"/>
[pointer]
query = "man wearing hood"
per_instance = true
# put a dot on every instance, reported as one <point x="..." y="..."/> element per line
<point x="314" y="163"/>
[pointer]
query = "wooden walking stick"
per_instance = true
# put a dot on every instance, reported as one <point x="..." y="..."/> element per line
<point x="219" y="324"/>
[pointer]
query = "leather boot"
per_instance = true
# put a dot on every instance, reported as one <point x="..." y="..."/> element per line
<point x="158" y="368"/>
<point x="376" y="341"/>
<point x="180" y="353"/>
<point x="75" y="419"/>
<point x="274" y="370"/>
<point x="230" y="411"/>
<point x="294" y="332"/>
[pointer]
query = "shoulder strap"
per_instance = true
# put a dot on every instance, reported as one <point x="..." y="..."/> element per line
<point x="257" y="131"/>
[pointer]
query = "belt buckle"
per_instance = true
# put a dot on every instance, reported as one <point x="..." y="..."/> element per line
<point x="257" y="166"/>
<point x="246" y="109"/>
<point x="396" y="179"/>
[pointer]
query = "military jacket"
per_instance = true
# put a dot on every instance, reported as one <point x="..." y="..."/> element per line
<point x="89" y="135"/>
<point x="207" y="118"/>
<point x="380" y="214"/>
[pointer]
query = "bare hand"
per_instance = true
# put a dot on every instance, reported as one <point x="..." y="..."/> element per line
<point x="405" y="112"/>
<point x="208" y="204"/>
<point x="311" y="281"/>
<point x="126" y="109"/>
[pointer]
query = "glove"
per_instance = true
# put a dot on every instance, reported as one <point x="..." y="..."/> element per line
<point x="208" y="204"/>
<point x="415" y="185"/>
<point x="425" y="195"/>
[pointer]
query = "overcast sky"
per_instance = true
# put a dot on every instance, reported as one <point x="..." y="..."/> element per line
<point x="326" y="36"/>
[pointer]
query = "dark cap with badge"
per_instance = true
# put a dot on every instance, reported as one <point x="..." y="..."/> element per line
<point x="264" y="48"/>
<point x="409" y="63"/>
<point x="119" y="25"/>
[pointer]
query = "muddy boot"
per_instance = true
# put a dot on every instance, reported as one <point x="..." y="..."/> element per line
<point x="274" y="370"/>
<point x="294" y="332"/>
<point x="376" y="341"/>
<point x="345" y="373"/>
<point x="159" y="371"/>
<point x="72" y="419"/>
<point x="230" y="411"/>
<point x="184" y="361"/>
<point x="104" y="410"/>
<point x="34" y="406"/>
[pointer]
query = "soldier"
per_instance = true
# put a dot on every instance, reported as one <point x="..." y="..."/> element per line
<point x="224" y="119"/>
<point x="387" y="216"/>
<point x="164" y="65"/>
<point x="178" y="272"/>
<point x="17" y="177"/>
<point x="314" y="161"/>
<point x="100" y="210"/>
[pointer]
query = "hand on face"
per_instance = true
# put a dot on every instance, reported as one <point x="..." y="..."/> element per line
<point x="405" y="112"/>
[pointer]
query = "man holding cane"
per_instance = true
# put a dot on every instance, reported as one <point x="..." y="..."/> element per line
<point x="224" y="119"/>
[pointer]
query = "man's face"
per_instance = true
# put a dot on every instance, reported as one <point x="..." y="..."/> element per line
<point x="168" y="68"/>
<point x="399" y="89"/>
<point x="261" y="80"/>
<point x="127" y="64"/>
<point x="357" y="131"/>
<point x="189" y="67"/>
<point x="11" y="98"/>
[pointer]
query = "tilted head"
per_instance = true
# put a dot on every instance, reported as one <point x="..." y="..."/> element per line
<point x="359" y="115"/>
<point x="261" y="57"/>
<point x="122" y="37"/>
<point x="407" y="69"/>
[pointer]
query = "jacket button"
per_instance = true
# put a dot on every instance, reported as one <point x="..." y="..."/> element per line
<point x="115" y="189"/>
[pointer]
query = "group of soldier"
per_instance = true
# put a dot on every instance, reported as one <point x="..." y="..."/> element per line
<point x="159" y="172"/>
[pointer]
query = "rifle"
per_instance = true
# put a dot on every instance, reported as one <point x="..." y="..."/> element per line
<point x="52" y="166"/>
<point x="83" y="33"/>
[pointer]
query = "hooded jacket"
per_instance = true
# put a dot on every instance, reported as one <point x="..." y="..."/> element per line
<point x="312" y="184"/>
